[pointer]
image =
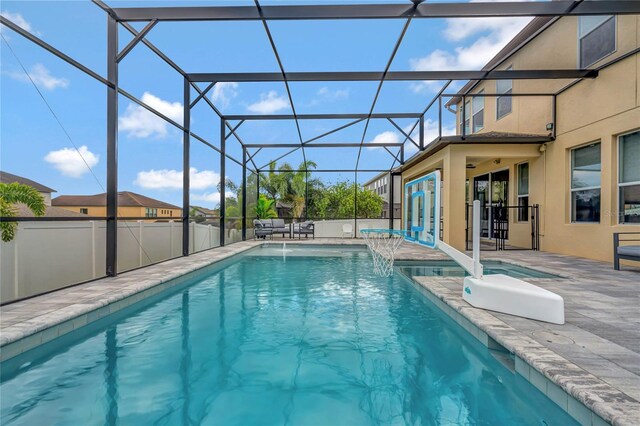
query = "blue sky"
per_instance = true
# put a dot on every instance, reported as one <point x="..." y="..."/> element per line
<point x="150" y="150"/>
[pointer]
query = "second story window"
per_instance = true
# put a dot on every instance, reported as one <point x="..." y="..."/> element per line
<point x="503" y="103"/>
<point x="478" y="112"/>
<point x="467" y="117"/>
<point x="596" y="38"/>
<point x="585" y="183"/>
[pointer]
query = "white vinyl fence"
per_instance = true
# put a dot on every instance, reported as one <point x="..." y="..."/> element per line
<point x="334" y="228"/>
<point x="46" y="256"/>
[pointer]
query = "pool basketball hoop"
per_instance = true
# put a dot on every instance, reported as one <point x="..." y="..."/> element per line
<point x="383" y="244"/>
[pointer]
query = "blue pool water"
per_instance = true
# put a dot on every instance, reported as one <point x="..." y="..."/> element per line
<point x="273" y="339"/>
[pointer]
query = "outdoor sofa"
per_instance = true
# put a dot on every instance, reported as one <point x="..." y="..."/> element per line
<point x="626" y="251"/>
<point x="268" y="227"/>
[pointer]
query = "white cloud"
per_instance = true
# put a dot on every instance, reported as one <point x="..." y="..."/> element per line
<point x="72" y="163"/>
<point x="172" y="179"/>
<point x="431" y="132"/>
<point x="140" y="123"/>
<point x="327" y="95"/>
<point x="210" y="197"/>
<point x="385" y="137"/>
<point x="333" y="95"/>
<point x="41" y="77"/>
<point x="494" y="34"/>
<point x="19" y="20"/>
<point x="269" y="103"/>
<point x="223" y="92"/>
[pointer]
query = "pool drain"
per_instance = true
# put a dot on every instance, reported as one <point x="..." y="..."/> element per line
<point x="552" y="337"/>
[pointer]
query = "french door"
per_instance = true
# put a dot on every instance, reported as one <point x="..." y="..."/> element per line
<point x="492" y="189"/>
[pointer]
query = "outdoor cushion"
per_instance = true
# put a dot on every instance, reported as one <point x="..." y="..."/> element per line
<point x="278" y="223"/>
<point x="267" y="223"/>
<point x="629" y="251"/>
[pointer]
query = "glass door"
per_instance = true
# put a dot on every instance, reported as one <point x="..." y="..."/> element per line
<point x="499" y="201"/>
<point x="492" y="189"/>
<point x="481" y="192"/>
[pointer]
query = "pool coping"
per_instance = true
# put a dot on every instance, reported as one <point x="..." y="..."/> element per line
<point x="585" y="397"/>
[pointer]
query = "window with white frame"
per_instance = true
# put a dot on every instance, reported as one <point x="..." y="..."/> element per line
<point x="150" y="212"/>
<point x="585" y="183"/>
<point x="596" y="38"/>
<point x="504" y="103"/>
<point x="629" y="177"/>
<point x="467" y="118"/>
<point x="523" y="192"/>
<point x="478" y="112"/>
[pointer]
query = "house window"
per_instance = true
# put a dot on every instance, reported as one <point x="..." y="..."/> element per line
<point x="84" y="211"/>
<point x="478" y="112"/>
<point x="585" y="183"/>
<point x="596" y="38"/>
<point x="523" y="192"/>
<point x="467" y="117"/>
<point x="150" y="212"/>
<point x="629" y="177"/>
<point x="503" y="103"/>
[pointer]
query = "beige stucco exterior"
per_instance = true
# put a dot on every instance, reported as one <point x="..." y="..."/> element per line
<point x="592" y="110"/>
<point x="101" y="211"/>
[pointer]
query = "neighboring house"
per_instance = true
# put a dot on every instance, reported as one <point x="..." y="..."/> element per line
<point x="579" y="161"/>
<point x="45" y="191"/>
<point x="284" y="209"/>
<point x="203" y="212"/>
<point x="130" y="205"/>
<point x="381" y="185"/>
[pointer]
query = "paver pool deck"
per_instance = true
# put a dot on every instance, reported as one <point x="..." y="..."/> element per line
<point x="593" y="358"/>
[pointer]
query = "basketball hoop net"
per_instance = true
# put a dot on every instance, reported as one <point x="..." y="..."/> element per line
<point x="383" y="244"/>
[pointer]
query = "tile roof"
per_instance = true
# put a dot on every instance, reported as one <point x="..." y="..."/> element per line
<point x="125" y="199"/>
<point x="10" y="178"/>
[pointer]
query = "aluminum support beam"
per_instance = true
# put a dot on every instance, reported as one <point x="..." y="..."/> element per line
<point x="323" y="145"/>
<point x="244" y="194"/>
<point x="252" y="77"/>
<point x="415" y="115"/>
<point x="377" y="11"/>
<point x="222" y="181"/>
<point x="202" y="94"/>
<point x="186" y="164"/>
<point x="112" y="149"/>
<point x="129" y="47"/>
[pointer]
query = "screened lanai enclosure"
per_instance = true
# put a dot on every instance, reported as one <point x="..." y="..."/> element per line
<point x="166" y="100"/>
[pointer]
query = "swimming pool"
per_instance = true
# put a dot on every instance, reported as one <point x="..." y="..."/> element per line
<point x="273" y="337"/>
<point x="449" y="268"/>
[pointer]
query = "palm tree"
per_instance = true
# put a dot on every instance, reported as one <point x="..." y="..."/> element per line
<point x="298" y="187"/>
<point x="12" y="194"/>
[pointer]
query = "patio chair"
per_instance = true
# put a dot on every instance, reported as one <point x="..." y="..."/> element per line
<point x="261" y="231"/>
<point x="625" y="252"/>
<point x="347" y="230"/>
<point x="305" y="228"/>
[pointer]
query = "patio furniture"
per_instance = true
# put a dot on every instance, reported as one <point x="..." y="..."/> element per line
<point x="266" y="227"/>
<point x="628" y="251"/>
<point x="305" y="228"/>
<point x="347" y="230"/>
<point x="279" y="227"/>
<point x="261" y="231"/>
